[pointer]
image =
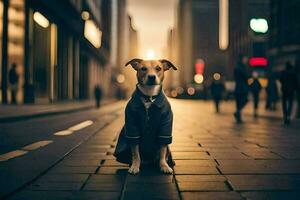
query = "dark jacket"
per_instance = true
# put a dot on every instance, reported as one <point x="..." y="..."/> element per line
<point x="255" y="87"/>
<point x="241" y="79"/>
<point x="288" y="82"/>
<point x="150" y="128"/>
<point x="217" y="88"/>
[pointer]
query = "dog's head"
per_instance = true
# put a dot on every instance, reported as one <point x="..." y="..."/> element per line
<point x="150" y="72"/>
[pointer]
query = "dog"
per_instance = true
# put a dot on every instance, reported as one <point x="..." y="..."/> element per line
<point x="148" y="119"/>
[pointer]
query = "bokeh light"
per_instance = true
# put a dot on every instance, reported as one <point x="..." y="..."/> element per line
<point x="217" y="76"/>
<point x="198" y="78"/>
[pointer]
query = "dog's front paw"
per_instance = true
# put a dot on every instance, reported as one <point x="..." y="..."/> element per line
<point x="134" y="169"/>
<point x="164" y="167"/>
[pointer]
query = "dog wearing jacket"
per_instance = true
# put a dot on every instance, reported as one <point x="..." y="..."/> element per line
<point x="148" y="119"/>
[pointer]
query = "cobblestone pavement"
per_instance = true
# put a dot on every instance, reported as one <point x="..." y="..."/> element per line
<point x="215" y="159"/>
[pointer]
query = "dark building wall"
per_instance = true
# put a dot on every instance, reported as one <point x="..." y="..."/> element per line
<point x="284" y="32"/>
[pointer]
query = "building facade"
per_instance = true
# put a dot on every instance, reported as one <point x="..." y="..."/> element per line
<point x="61" y="48"/>
<point x="284" y="44"/>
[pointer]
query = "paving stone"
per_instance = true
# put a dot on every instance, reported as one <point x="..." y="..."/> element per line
<point x="55" y="186"/>
<point x="211" y="196"/>
<point x="63" y="178"/>
<point x="150" y="191"/>
<point x="97" y="178"/>
<point x="100" y="186"/>
<point x="190" y="155"/>
<point x="228" y="155"/>
<point x="262" y="155"/>
<point x="114" y="163"/>
<point x="199" y="178"/>
<point x="203" y="186"/>
<point x="264" y="182"/>
<point x="73" y="170"/>
<point x="275" y="195"/>
<point x="155" y="179"/>
<point x="186" y="149"/>
<point x="113" y="170"/>
<point x="195" y="170"/>
<point x="202" y="163"/>
<point x="80" y="163"/>
<point x="65" y="195"/>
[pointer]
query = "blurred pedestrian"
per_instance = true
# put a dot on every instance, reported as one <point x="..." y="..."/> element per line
<point x="241" y="77"/>
<point x="288" y="81"/>
<point x="255" y="88"/>
<point x="272" y="93"/>
<point x="98" y="95"/>
<point x="14" y="82"/>
<point x="217" y="89"/>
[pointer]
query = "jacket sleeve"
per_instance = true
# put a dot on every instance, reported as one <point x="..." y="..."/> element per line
<point x="132" y="132"/>
<point x="165" y="133"/>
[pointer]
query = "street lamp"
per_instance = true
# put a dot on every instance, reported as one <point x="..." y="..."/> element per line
<point x="259" y="25"/>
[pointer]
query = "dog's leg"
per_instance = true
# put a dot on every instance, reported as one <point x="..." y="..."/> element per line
<point x="164" y="167"/>
<point x="136" y="160"/>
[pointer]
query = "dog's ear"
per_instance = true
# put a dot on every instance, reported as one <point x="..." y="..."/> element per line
<point x="134" y="62"/>
<point x="167" y="64"/>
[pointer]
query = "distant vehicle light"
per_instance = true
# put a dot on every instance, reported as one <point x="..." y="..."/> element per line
<point x="174" y="93"/>
<point x="85" y="15"/>
<point x="259" y="25"/>
<point x="191" y="91"/>
<point x="179" y="90"/>
<point x="40" y="19"/>
<point x="198" y="78"/>
<point x="120" y="78"/>
<point x="217" y="76"/>
<point x="258" y="62"/>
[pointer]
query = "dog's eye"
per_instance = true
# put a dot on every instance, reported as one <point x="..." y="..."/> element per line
<point x="158" y="68"/>
<point x="144" y="69"/>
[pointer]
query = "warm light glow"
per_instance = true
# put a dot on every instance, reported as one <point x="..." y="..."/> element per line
<point x="120" y="78"/>
<point x="92" y="33"/>
<point x="223" y="24"/>
<point x="150" y="54"/>
<point x="179" y="90"/>
<point x="85" y="15"/>
<point x="217" y="76"/>
<point x="198" y="78"/>
<point x="259" y="25"/>
<point x="40" y="19"/>
<point x="191" y="91"/>
<point x="174" y="93"/>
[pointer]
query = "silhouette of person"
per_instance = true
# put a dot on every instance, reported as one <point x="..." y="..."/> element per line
<point x="13" y="81"/>
<point x="241" y="77"/>
<point x="217" y="89"/>
<point x="98" y="95"/>
<point x="288" y="81"/>
<point x="297" y="69"/>
<point x="272" y="93"/>
<point x="255" y="88"/>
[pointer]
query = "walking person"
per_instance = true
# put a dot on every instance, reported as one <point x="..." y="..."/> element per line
<point x="288" y="81"/>
<point x="98" y="95"/>
<point x="241" y="77"/>
<point x="13" y="78"/>
<point x="217" y="89"/>
<point x="255" y="88"/>
<point x="272" y="93"/>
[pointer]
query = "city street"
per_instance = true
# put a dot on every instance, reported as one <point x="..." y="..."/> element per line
<point x="69" y="156"/>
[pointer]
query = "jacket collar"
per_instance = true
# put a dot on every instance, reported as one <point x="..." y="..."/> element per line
<point x="159" y="99"/>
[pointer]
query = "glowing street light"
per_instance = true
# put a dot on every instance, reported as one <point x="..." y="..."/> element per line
<point x="40" y="19"/>
<point x="259" y="25"/>
<point x="198" y="78"/>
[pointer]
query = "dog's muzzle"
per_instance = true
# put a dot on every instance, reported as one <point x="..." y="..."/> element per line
<point x="151" y="80"/>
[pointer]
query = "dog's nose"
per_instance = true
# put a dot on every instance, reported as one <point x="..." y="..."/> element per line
<point x="151" y="77"/>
